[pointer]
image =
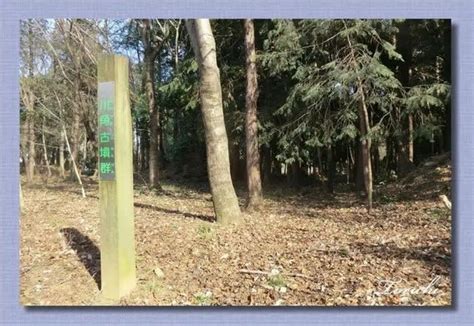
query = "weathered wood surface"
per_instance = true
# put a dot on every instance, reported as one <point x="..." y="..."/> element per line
<point x="118" y="271"/>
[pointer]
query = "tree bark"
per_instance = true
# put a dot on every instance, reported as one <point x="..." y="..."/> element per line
<point x="29" y="103"/>
<point x="365" y="144"/>
<point x="150" y="54"/>
<point x="411" y="151"/>
<point x="225" y="201"/>
<point x="266" y="164"/>
<point x="30" y="163"/>
<point x="28" y="139"/>
<point x="75" y="132"/>
<point x="154" y="141"/>
<point x="74" y="165"/>
<point x="365" y="133"/>
<point x="254" y="181"/>
<point x="45" y="150"/>
<point x="406" y="150"/>
<point x="446" y="73"/>
<point x="61" y="155"/>
<point x="144" y="148"/>
<point x="331" y="169"/>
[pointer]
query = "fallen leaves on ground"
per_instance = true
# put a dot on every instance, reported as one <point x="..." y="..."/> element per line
<point x="312" y="249"/>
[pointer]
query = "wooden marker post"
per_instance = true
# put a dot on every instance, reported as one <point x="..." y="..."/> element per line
<point x="117" y="239"/>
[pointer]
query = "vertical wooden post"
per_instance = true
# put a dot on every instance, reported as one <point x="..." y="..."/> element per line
<point x="118" y="274"/>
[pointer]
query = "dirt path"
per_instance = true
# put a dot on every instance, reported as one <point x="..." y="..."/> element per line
<point x="342" y="255"/>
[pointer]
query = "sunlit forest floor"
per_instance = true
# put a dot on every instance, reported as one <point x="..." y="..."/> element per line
<point x="304" y="247"/>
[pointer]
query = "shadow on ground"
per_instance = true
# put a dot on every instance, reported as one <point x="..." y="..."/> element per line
<point x="207" y="218"/>
<point x="86" y="250"/>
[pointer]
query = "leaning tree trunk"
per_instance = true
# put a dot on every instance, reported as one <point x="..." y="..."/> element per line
<point x="254" y="181"/>
<point x="225" y="201"/>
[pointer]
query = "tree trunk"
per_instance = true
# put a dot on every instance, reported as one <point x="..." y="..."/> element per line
<point x="331" y="169"/>
<point x="154" y="141"/>
<point x="404" y="46"/>
<point x="365" y="144"/>
<point x="151" y="51"/>
<point x="266" y="164"/>
<point x="375" y="160"/>
<point x="320" y="162"/>
<point x="225" y="201"/>
<point x="61" y="155"/>
<point x="254" y="181"/>
<point x="30" y="119"/>
<point x="144" y="147"/>
<point x="411" y="152"/>
<point x="293" y="176"/>
<point x="74" y="165"/>
<point x="75" y="138"/>
<point x="365" y="133"/>
<point x="30" y="163"/>
<point x="446" y="73"/>
<point x="136" y="148"/>
<point x="359" y="169"/>
<point x="234" y="160"/>
<point x="45" y="150"/>
<point x="28" y="133"/>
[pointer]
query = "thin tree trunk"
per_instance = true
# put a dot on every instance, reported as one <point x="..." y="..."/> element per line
<point x="45" y="150"/>
<point x="61" y="155"/>
<point x="349" y="165"/>
<point x="74" y="145"/>
<point x="136" y="149"/>
<point x="76" y="170"/>
<point x="254" y="181"/>
<point x="320" y="162"/>
<point x="225" y="201"/>
<point x="144" y="147"/>
<point x="84" y="151"/>
<point x="331" y="169"/>
<point x="365" y="142"/>
<point x="154" y="141"/>
<point x="29" y="103"/>
<point x="410" y="138"/>
<point x="359" y="169"/>
<point x="30" y="163"/>
<point x="28" y="132"/>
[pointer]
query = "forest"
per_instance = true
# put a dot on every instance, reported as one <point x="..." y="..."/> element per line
<point x="275" y="162"/>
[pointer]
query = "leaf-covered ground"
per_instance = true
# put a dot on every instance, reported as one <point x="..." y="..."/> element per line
<point x="303" y="247"/>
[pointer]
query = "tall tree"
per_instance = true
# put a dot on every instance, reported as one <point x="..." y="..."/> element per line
<point x="29" y="89"/>
<point x="151" y="51"/>
<point x="254" y="182"/>
<point x="225" y="201"/>
<point x="405" y="141"/>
